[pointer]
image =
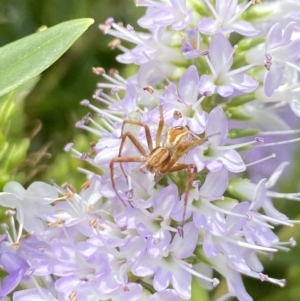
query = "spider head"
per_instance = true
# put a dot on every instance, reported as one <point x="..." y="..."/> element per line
<point x="175" y="136"/>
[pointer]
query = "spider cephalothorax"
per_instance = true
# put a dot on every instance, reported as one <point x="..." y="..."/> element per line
<point x="163" y="158"/>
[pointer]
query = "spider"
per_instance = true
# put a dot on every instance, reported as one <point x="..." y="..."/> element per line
<point x="163" y="158"/>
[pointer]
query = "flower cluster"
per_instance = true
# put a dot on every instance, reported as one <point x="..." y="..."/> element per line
<point x="169" y="205"/>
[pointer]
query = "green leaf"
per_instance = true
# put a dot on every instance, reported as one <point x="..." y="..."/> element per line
<point x="28" y="57"/>
<point x="198" y="292"/>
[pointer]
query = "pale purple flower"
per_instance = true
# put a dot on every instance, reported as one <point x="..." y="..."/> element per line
<point x="169" y="268"/>
<point x="172" y="13"/>
<point x="184" y="101"/>
<point x="279" y="51"/>
<point x="215" y="155"/>
<point x="223" y="81"/>
<point x="89" y="245"/>
<point x="226" y="14"/>
<point x="30" y="204"/>
<point x="191" y="45"/>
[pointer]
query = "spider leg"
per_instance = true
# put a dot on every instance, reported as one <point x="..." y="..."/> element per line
<point x="147" y="131"/>
<point x="160" y="126"/>
<point x="112" y="172"/>
<point x="136" y="143"/>
<point x="191" y="171"/>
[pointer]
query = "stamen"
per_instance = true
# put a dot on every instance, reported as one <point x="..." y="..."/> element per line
<point x="149" y="89"/>
<point x="12" y="222"/>
<point x="248" y="245"/>
<point x="287" y="132"/>
<point x="187" y="267"/>
<point x="129" y="27"/>
<point x="234" y="146"/>
<point x="289" y="64"/>
<point x="262" y="160"/>
<point x="68" y="147"/>
<point x="279" y="143"/>
<point x="289" y="196"/>
<point x="114" y="43"/>
<point x="242" y="69"/>
<point x="157" y="66"/>
<point x="241" y="11"/>
<point x="212" y="9"/>
<point x="221" y="210"/>
<point x="211" y="67"/>
<point x="109" y="21"/>
<point x="235" y="47"/>
<point x="196" y="104"/>
<point x="277" y="221"/>
<point x="105" y="113"/>
<point x="129" y="194"/>
<point x="98" y="70"/>
<point x="131" y="35"/>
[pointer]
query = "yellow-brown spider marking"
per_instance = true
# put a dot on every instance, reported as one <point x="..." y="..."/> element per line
<point x="163" y="158"/>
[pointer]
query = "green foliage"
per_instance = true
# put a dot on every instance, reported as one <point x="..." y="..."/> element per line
<point x="13" y="145"/>
<point x="198" y="292"/>
<point x="28" y="57"/>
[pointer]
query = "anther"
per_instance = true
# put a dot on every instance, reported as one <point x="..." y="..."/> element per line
<point x="29" y="272"/>
<point x="129" y="27"/>
<point x="123" y="228"/>
<point x="249" y="216"/>
<point x="180" y="231"/>
<point x="84" y="156"/>
<point x="115" y="90"/>
<point x="216" y="282"/>
<point x="94" y="223"/>
<point x="113" y="44"/>
<point x="67" y="186"/>
<point x="129" y="194"/>
<point x="157" y="241"/>
<point x="109" y="21"/>
<point x="86" y="184"/>
<point x="196" y="183"/>
<point x="177" y="115"/>
<point x="207" y="93"/>
<point x="149" y="89"/>
<point x="10" y="212"/>
<point x="73" y="296"/>
<point x="263" y="277"/>
<point x="113" y="72"/>
<point x="98" y="70"/>
<point x="157" y="176"/>
<point x="85" y="102"/>
<point x="79" y="124"/>
<point x="104" y="28"/>
<point x="87" y="118"/>
<point x="259" y="139"/>
<point x="292" y="242"/>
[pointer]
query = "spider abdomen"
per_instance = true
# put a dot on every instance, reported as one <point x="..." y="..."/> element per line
<point x="158" y="159"/>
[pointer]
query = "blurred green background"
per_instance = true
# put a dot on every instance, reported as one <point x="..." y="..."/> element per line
<point x="54" y="102"/>
<point x="48" y="114"/>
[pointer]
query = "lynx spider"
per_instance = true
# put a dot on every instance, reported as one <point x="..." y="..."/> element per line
<point x="163" y="158"/>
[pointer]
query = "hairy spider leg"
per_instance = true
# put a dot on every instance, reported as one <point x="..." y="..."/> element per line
<point x="182" y="149"/>
<point x="191" y="170"/>
<point x="135" y="141"/>
<point x="112" y="172"/>
<point x="137" y="144"/>
<point x="160" y="126"/>
<point x="147" y="132"/>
